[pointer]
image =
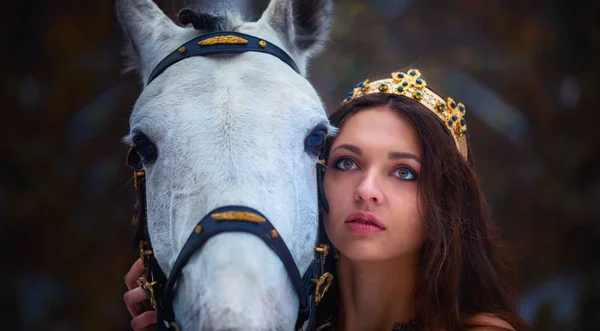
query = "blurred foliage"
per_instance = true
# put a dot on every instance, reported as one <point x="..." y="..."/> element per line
<point x="528" y="72"/>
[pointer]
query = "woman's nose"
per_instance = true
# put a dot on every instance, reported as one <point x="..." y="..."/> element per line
<point x="368" y="190"/>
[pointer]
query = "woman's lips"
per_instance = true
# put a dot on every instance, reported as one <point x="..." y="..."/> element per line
<point x="364" y="223"/>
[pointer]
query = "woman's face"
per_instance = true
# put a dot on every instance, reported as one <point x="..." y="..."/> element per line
<point x="371" y="187"/>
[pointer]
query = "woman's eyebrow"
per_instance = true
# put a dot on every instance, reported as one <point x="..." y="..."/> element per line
<point x="391" y="156"/>
<point x="403" y="155"/>
<point x="352" y="148"/>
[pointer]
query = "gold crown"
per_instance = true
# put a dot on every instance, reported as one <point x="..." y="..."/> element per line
<point x="411" y="85"/>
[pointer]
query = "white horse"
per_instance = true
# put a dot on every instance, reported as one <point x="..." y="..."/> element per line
<point x="229" y="130"/>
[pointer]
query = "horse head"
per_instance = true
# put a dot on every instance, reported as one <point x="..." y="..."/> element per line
<point x="228" y="129"/>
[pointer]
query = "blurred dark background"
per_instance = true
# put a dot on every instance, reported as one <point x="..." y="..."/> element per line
<point x="528" y="72"/>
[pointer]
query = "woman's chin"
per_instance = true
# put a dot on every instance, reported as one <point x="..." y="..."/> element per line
<point x="363" y="251"/>
<point x="374" y="250"/>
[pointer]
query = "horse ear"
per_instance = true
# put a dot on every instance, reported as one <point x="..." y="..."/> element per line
<point x="303" y="24"/>
<point x="147" y="30"/>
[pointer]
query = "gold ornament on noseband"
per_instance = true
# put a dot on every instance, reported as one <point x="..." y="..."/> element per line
<point x="238" y="216"/>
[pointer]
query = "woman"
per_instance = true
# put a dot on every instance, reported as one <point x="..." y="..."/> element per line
<point x="415" y="247"/>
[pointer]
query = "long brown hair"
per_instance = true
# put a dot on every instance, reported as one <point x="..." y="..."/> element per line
<point x="463" y="271"/>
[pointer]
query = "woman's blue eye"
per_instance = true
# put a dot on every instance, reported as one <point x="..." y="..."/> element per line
<point x="405" y="173"/>
<point x="346" y="164"/>
<point x="145" y="148"/>
<point x="316" y="141"/>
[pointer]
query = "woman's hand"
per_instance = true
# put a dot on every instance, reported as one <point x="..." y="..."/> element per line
<point x="136" y="301"/>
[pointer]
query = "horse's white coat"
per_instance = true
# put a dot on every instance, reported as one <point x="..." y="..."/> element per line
<point x="229" y="130"/>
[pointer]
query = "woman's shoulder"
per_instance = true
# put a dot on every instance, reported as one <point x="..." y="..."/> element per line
<point x="488" y="322"/>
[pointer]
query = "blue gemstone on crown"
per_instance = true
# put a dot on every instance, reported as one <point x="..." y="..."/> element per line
<point x="412" y="72"/>
<point x="461" y="108"/>
<point x="453" y="104"/>
<point x="454" y="118"/>
<point x="400" y="89"/>
<point x="400" y="75"/>
<point x="404" y="83"/>
<point x="419" y="81"/>
<point x="450" y="122"/>
<point x="463" y="122"/>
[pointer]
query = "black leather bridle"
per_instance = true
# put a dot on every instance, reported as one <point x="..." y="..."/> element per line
<point x="160" y="289"/>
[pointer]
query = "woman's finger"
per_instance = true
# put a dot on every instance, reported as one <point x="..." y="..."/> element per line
<point x="136" y="271"/>
<point x="145" y="322"/>
<point x="134" y="300"/>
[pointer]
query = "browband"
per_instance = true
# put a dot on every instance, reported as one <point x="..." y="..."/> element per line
<point x="222" y="42"/>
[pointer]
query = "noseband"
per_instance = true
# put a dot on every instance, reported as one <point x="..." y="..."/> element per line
<point x="310" y="288"/>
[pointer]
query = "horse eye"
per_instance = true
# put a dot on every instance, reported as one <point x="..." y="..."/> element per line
<point x="145" y="148"/>
<point x="316" y="140"/>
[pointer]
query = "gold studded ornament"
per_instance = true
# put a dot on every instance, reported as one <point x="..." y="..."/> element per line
<point x="411" y="85"/>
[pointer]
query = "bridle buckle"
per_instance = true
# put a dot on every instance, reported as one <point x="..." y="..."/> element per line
<point x="137" y="177"/>
<point x="326" y="279"/>
<point x="145" y="252"/>
<point x="149" y="289"/>
<point x="323" y="249"/>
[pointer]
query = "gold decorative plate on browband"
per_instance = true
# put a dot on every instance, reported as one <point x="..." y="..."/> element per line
<point x="411" y="85"/>
<point x="221" y="40"/>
